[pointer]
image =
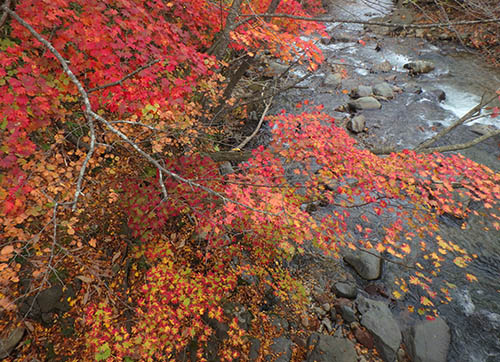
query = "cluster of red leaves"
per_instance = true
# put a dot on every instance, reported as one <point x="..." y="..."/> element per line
<point x="258" y="212"/>
<point x="45" y="136"/>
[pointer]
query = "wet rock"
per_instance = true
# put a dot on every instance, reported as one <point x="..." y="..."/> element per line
<point x="383" y="67"/>
<point x="275" y="69"/>
<point x="42" y="307"/>
<point x="253" y="353"/>
<point x="279" y="323"/>
<point x="482" y="129"/>
<point x="378" y="320"/>
<point x="413" y="88"/>
<point x="326" y="40"/>
<point x="429" y="341"/>
<point x="282" y="347"/>
<point x="8" y="344"/>
<point x="345" y="38"/>
<point x="333" y="80"/>
<point x="48" y="298"/>
<point x="383" y="90"/>
<point x="346" y="290"/>
<point x="299" y="341"/>
<point x="326" y="307"/>
<point x="356" y="124"/>
<point x="367" y="265"/>
<point x="327" y="324"/>
<point x="330" y="349"/>
<point x="348" y="314"/>
<point x="226" y="168"/>
<point x="361" y="91"/>
<point x="438" y="94"/>
<point x="339" y="302"/>
<point x="376" y="290"/>
<point x="319" y="311"/>
<point x="419" y="67"/>
<point x="364" y="103"/>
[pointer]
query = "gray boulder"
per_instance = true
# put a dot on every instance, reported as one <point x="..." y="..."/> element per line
<point x="348" y="314"/>
<point x="48" y="298"/>
<point x="419" y="67"/>
<point x="366" y="103"/>
<point x="345" y="290"/>
<point x="367" y="265"/>
<point x="275" y="69"/>
<point x="361" y="91"/>
<point x="383" y="90"/>
<point x="344" y="37"/>
<point x="282" y="347"/>
<point x="429" y="341"/>
<point x="378" y="320"/>
<point x="383" y="67"/>
<point x="8" y="344"/>
<point x="356" y="124"/>
<point x="326" y="348"/>
<point x="333" y="80"/>
<point x="482" y="129"/>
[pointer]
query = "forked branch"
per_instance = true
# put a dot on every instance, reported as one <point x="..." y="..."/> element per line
<point x="91" y="116"/>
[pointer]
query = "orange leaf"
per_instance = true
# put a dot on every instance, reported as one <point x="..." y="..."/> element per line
<point x="6" y="250"/>
<point x="471" y="278"/>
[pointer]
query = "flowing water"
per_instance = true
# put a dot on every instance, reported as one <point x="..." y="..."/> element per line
<point x="415" y="114"/>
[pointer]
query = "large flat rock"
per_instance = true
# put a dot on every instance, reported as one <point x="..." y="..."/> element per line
<point x="429" y="341"/>
<point x="379" y="321"/>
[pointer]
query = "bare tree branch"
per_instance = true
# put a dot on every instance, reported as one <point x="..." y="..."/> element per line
<point x="367" y="22"/>
<point x="128" y="76"/>
<point x="94" y="116"/>
<point x="4" y="15"/>
<point x="455" y="124"/>
<point x="246" y="140"/>
<point x="81" y="90"/>
<point x="462" y="146"/>
<point x="424" y="146"/>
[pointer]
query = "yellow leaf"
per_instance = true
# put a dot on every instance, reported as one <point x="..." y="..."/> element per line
<point x="396" y="294"/>
<point x="426" y="301"/>
<point x="471" y="278"/>
<point x="405" y="248"/>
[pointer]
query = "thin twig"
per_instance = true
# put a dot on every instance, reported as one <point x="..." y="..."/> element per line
<point x="246" y="140"/>
<point x="130" y="75"/>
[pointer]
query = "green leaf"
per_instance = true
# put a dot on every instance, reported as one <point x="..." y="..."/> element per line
<point x="104" y="352"/>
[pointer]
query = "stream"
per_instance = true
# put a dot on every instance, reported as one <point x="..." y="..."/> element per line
<point x="412" y="116"/>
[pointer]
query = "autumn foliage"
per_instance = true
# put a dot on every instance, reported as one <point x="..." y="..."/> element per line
<point x="159" y="254"/>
